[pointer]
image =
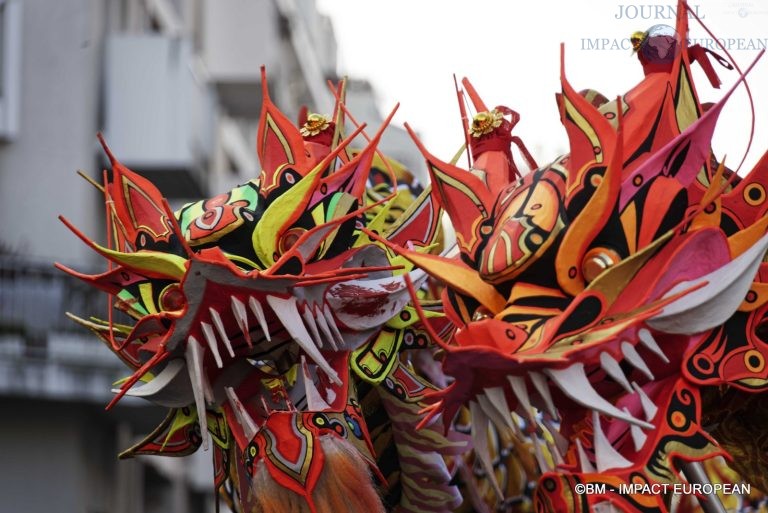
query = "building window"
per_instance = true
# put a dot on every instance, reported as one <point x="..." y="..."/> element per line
<point x="10" y="67"/>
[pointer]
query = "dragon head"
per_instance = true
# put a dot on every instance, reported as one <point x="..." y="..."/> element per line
<point x="598" y="296"/>
<point x="250" y="310"/>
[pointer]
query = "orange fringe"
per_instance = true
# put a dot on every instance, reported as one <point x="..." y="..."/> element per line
<point x="344" y="486"/>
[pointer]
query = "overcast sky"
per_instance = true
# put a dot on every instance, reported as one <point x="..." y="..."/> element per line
<point x="510" y="50"/>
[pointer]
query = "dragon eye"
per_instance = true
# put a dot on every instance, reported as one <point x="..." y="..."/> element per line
<point x="172" y="298"/>
<point x="290" y="238"/>
<point x="598" y="260"/>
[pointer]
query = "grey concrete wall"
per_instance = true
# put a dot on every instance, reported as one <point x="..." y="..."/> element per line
<point x="61" y="51"/>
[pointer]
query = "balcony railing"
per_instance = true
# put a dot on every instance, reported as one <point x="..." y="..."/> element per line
<point x="42" y="352"/>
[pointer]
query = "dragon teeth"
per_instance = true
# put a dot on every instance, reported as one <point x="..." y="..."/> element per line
<point x="194" y="358"/>
<point x="633" y="357"/>
<point x="288" y="313"/>
<point x="648" y="341"/>
<point x="613" y="369"/>
<point x="243" y="417"/>
<point x="638" y="437"/>
<point x="605" y="455"/>
<point x="335" y="329"/>
<point x="540" y="383"/>
<point x="498" y="400"/>
<point x="539" y="454"/>
<point x="492" y="413"/>
<point x="210" y="337"/>
<point x="222" y="332"/>
<point x="586" y="465"/>
<point x="521" y="392"/>
<point x="480" y="442"/>
<point x="574" y="383"/>
<point x="241" y="316"/>
<point x="323" y="323"/>
<point x="315" y="401"/>
<point x="258" y="311"/>
<point x="309" y="320"/>
<point x="649" y="408"/>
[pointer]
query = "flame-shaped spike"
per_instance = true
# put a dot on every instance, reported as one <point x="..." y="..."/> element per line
<point x="540" y="383"/>
<point x="243" y="417"/>
<point x="222" y="331"/>
<point x="315" y="401"/>
<point x="648" y="341"/>
<point x="288" y="313"/>
<point x="210" y="337"/>
<point x="649" y="408"/>
<point x="241" y="316"/>
<point x="613" y="369"/>
<point x="633" y="357"/>
<point x="258" y="311"/>
<point x="194" y="358"/>
<point x="605" y="455"/>
<point x="574" y="383"/>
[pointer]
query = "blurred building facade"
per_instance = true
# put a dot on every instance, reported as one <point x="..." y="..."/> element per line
<point x="175" y="87"/>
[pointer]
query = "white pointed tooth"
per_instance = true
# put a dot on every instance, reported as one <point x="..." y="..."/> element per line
<point x="243" y="417"/>
<point x="586" y="465"/>
<point x="648" y="341"/>
<point x="324" y="328"/>
<point x="613" y="369"/>
<point x="222" y="332"/>
<point x="605" y="455"/>
<point x="557" y="458"/>
<point x="212" y="342"/>
<point x="638" y="437"/>
<point x="241" y="316"/>
<point x="521" y="392"/>
<point x="498" y="400"/>
<point x="492" y="413"/>
<point x="516" y="423"/>
<point x="539" y="454"/>
<point x="309" y="320"/>
<point x="288" y="313"/>
<point x="258" y="311"/>
<point x="315" y="401"/>
<point x="540" y="383"/>
<point x="335" y="329"/>
<point x="574" y="383"/>
<point x="480" y="443"/>
<point x="633" y="357"/>
<point x="560" y="440"/>
<point x="194" y="358"/>
<point x="649" y="408"/>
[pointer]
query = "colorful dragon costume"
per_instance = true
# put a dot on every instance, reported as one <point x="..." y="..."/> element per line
<point x="272" y="326"/>
<point x="618" y="292"/>
<point x="604" y="315"/>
